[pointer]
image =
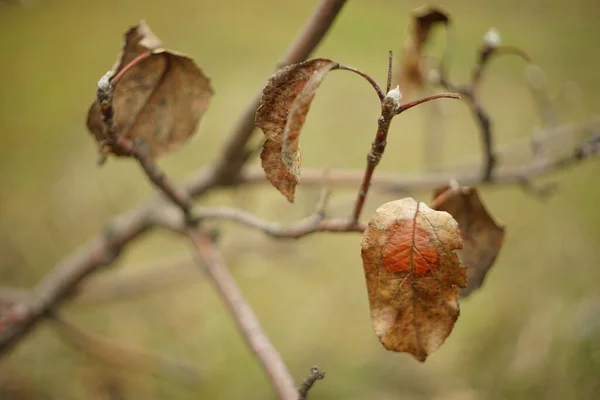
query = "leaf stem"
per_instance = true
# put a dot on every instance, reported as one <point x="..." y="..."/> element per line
<point x="411" y="104"/>
<point x="115" y="79"/>
<point x="380" y="93"/>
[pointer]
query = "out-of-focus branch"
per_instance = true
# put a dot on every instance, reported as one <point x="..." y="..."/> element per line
<point x="467" y="175"/>
<point x="156" y="275"/>
<point x="315" y="375"/>
<point x="116" y="285"/>
<point x="63" y="280"/>
<point x="105" y="248"/>
<point x="112" y="352"/>
<point x="212" y="261"/>
<point x="469" y="92"/>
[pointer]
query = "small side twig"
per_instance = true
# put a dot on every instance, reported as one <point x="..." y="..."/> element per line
<point x="388" y="85"/>
<point x="315" y="374"/>
<point x="312" y="224"/>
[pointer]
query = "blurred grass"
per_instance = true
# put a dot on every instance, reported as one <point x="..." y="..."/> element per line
<point x="532" y="332"/>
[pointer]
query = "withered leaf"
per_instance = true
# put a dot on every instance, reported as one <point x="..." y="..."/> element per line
<point x="161" y="99"/>
<point x="283" y="108"/>
<point x="413" y="276"/>
<point x="482" y="235"/>
<point x="410" y="74"/>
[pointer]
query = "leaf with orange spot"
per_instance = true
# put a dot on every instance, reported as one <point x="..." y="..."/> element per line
<point x="283" y="108"/>
<point x="411" y="71"/>
<point x="413" y="276"/>
<point x="482" y="235"/>
<point x="160" y="99"/>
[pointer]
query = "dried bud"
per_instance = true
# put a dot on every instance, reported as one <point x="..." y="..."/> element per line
<point x="492" y="38"/>
<point x="395" y="94"/>
<point x="104" y="88"/>
<point x="104" y="82"/>
<point x="391" y="101"/>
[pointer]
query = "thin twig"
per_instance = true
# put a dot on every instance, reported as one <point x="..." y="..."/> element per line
<point x="315" y="374"/>
<point x="139" y="150"/>
<point x="388" y="85"/>
<point x="486" y="54"/>
<point x="212" y="261"/>
<point x="313" y="224"/>
<point x="389" y="105"/>
<point x="155" y="174"/>
<point x="389" y="108"/>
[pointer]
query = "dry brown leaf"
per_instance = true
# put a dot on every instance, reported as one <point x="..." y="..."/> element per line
<point x="283" y="108"/>
<point x="413" y="276"/>
<point x="482" y="235"/>
<point x="411" y="74"/>
<point x="161" y="99"/>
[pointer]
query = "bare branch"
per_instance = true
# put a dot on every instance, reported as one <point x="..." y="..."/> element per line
<point x="212" y="261"/>
<point x="105" y="248"/>
<point x="315" y="374"/>
<point x="62" y="281"/>
<point x="315" y="223"/>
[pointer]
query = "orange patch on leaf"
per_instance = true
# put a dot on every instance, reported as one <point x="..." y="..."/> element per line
<point x="409" y="249"/>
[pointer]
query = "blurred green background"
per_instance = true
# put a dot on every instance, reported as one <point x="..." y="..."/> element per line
<point x="533" y="331"/>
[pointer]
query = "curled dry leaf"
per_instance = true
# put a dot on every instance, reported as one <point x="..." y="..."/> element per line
<point x="283" y="107"/>
<point x="160" y="99"/>
<point x="410" y="74"/>
<point x="413" y="276"/>
<point x="482" y="235"/>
